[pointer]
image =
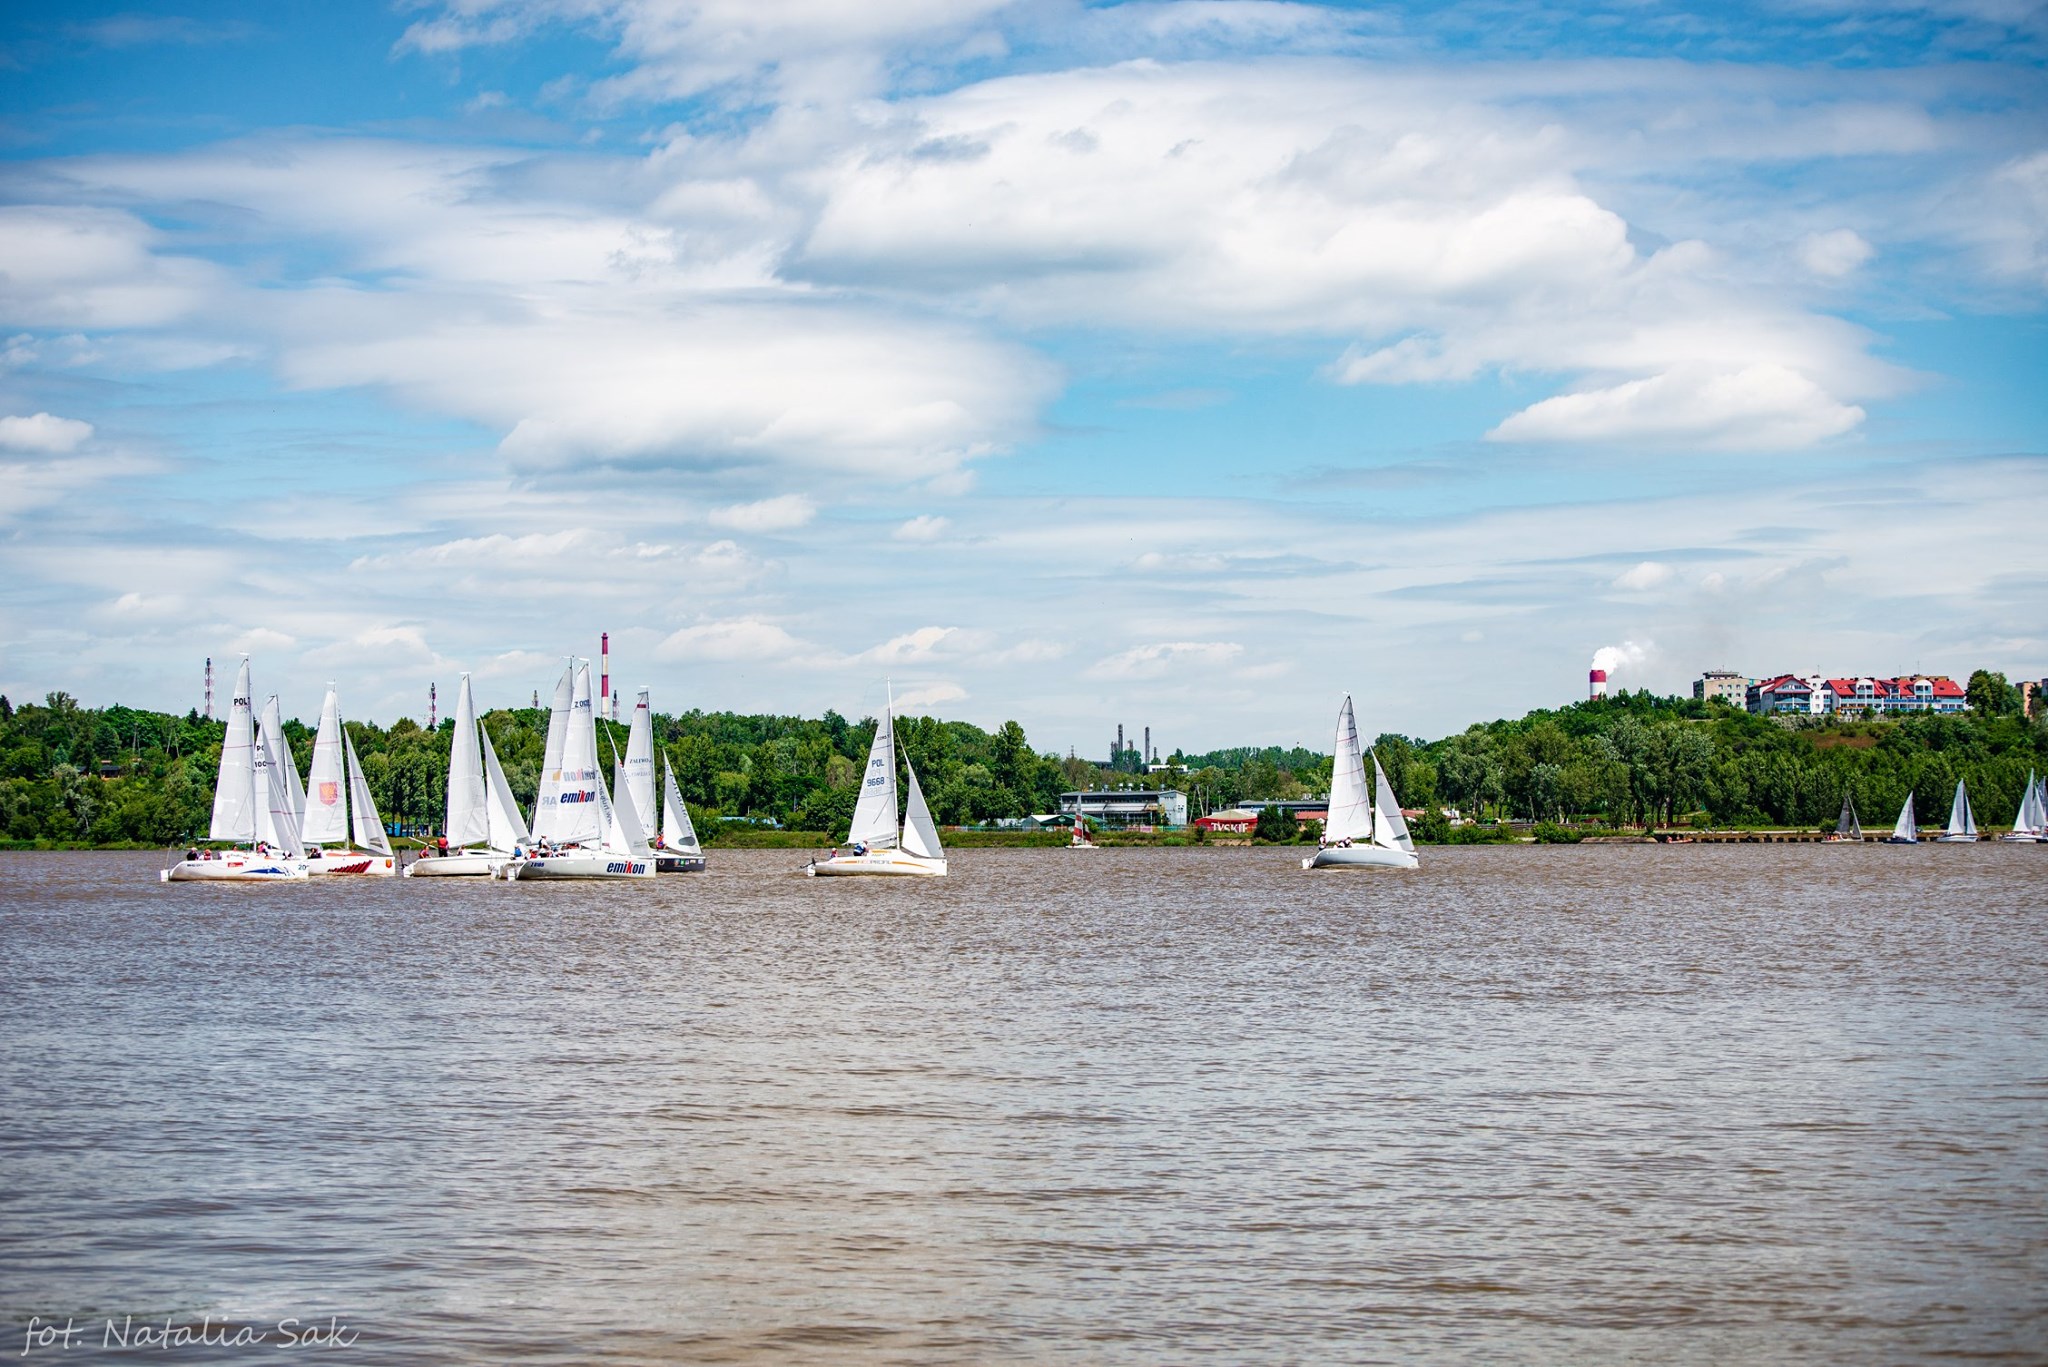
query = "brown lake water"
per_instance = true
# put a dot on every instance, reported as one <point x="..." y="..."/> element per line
<point x="1571" y="1105"/>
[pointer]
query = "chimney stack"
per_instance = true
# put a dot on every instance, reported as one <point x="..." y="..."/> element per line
<point x="1145" y="757"/>
<point x="1596" y="684"/>
<point x="209" y="688"/>
<point x="604" y="688"/>
<point x="433" y="709"/>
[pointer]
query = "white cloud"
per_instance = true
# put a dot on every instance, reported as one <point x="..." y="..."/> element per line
<point x="1759" y="407"/>
<point x="915" y="646"/>
<point x="1646" y="575"/>
<point x="923" y="527"/>
<point x="1833" y="255"/>
<point x="71" y="266"/>
<point x="1164" y="658"/>
<point x="929" y="697"/>
<point x="43" y="433"/>
<point x="783" y="513"/>
<point x="742" y="639"/>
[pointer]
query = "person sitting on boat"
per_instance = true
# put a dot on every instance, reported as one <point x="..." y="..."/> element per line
<point x="860" y="847"/>
<point x="192" y="855"/>
<point x="263" y="847"/>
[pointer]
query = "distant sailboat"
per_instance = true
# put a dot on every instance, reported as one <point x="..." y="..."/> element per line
<point x="589" y="836"/>
<point x="1363" y="829"/>
<point x="1847" y="827"/>
<point x="1905" y="831"/>
<point x="2030" y="826"/>
<point x="252" y="806"/>
<point x="1962" y="826"/>
<point x="1079" y="839"/>
<point x="338" y="806"/>
<point x="483" y="823"/>
<point x="677" y="851"/>
<point x="879" y="847"/>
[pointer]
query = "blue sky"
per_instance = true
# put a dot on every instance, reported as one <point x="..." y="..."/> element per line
<point x="1181" y="363"/>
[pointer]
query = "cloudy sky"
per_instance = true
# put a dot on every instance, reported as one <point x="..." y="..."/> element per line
<point x="1175" y="362"/>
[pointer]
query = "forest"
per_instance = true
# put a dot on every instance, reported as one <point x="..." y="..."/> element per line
<point x="71" y="774"/>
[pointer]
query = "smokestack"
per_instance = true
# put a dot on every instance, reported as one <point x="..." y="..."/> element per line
<point x="1116" y="756"/>
<point x="1146" y="756"/>
<point x="433" y="709"/>
<point x="536" y="700"/>
<point x="209" y="688"/>
<point x="1596" y="684"/>
<point x="604" y="686"/>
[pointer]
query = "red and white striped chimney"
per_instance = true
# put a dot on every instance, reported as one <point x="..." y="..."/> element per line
<point x="1596" y="684"/>
<point x="604" y="688"/>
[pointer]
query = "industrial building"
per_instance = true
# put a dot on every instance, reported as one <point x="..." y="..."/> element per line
<point x="1124" y="808"/>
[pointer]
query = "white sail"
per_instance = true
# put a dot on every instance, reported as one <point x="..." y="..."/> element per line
<point x="2031" y="814"/>
<point x="920" y="836"/>
<point x="544" y="803"/>
<point x="874" y="815"/>
<point x="234" y="792"/>
<point x="269" y="742"/>
<point x="677" y="832"/>
<point x="277" y="823"/>
<point x="369" y="829"/>
<point x="1846" y="824"/>
<point x="622" y="833"/>
<point x="1350" y="816"/>
<point x="1390" y="829"/>
<point x="289" y="763"/>
<point x="508" y="827"/>
<point x="327" y="784"/>
<point x="1906" y="828"/>
<point x="578" y="820"/>
<point x="1960" y="819"/>
<point x="469" y="820"/>
<point x="639" y="783"/>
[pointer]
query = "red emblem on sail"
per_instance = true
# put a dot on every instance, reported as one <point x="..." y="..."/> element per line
<point x="330" y="792"/>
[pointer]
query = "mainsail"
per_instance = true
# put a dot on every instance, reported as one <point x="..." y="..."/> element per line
<point x="508" y="827"/>
<point x="638" y="785"/>
<point x="469" y="821"/>
<point x="677" y="833"/>
<point x="1350" y="816"/>
<point x="920" y="836"/>
<point x="577" y="820"/>
<point x="1846" y="824"/>
<point x="1960" y="819"/>
<point x="326" y="785"/>
<point x="1906" y="830"/>
<point x="874" y="815"/>
<point x="234" y="793"/>
<point x="1390" y="828"/>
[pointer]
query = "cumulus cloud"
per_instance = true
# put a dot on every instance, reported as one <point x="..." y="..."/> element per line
<point x="923" y="527"/>
<point x="929" y="697"/>
<point x="1166" y="657"/>
<point x="70" y="266"/>
<point x="1644" y="576"/>
<point x="1833" y="255"/>
<point x="783" y="513"/>
<point x="43" y="433"/>
<point x="1759" y="407"/>
<point x="740" y="639"/>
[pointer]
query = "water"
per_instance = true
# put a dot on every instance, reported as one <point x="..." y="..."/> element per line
<point x="1611" y="1104"/>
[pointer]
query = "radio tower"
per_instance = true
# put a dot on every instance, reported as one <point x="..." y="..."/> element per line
<point x="433" y="709"/>
<point x="209" y="688"/>
<point x="604" y="691"/>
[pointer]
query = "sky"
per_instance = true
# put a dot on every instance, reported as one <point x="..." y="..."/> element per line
<point x="1174" y="363"/>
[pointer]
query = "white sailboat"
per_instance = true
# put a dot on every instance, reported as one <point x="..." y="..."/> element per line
<point x="588" y="836"/>
<point x="483" y="824"/>
<point x="1906" y="830"/>
<point x="250" y="798"/>
<point x="551" y="754"/>
<point x="1962" y="826"/>
<point x="2030" y="825"/>
<point x="677" y="850"/>
<point x="338" y="808"/>
<point x="877" y="846"/>
<point x="1362" y="830"/>
<point x="1848" y="830"/>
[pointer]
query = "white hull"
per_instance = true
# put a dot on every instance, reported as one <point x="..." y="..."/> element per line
<point x="581" y="864"/>
<point x="1360" y="857"/>
<point x="877" y="863"/>
<point x="2021" y="838"/>
<point x="1901" y="840"/>
<point x="235" y="866"/>
<point x="1955" y="840"/>
<point x="361" y="863"/>
<point x="464" y="864"/>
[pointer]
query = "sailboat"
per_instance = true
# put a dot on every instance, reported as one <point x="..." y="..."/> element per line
<point x="878" y="845"/>
<point x="337" y="805"/>
<point x="551" y="753"/>
<point x="2030" y="826"/>
<point x="1362" y="830"/>
<point x="252" y="806"/>
<point x="1847" y="828"/>
<point x="1962" y="826"/>
<point x="677" y="849"/>
<point x="481" y="811"/>
<point x="1906" y="830"/>
<point x="1079" y="839"/>
<point x="588" y="835"/>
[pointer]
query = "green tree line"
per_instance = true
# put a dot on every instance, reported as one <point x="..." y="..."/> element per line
<point x="113" y="775"/>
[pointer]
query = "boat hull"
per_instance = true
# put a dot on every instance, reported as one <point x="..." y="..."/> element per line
<point x="2020" y="838"/>
<point x="678" y="863"/>
<point x="465" y="864"/>
<point x="1901" y="840"/>
<point x="235" y="867"/>
<point x="1360" y="857"/>
<point x="876" y="864"/>
<point x="581" y="865"/>
<point x="351" y="863"/>
<point x="1955" y="840"/>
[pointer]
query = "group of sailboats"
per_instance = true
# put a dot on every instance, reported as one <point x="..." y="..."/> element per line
<point x="2029" y="826"/>
<point x="1364" y="827"/>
